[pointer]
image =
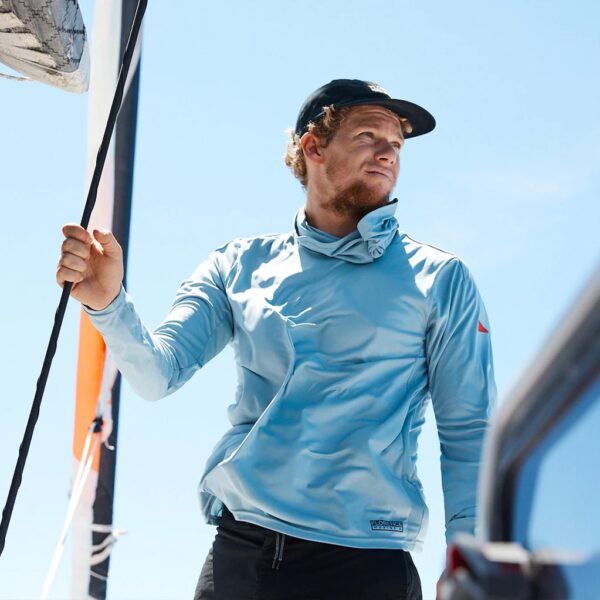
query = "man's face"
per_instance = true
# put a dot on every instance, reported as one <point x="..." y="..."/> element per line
<point x="362" y="161"/>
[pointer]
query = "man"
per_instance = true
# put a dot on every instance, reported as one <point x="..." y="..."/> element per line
<point x="342" y="330"/>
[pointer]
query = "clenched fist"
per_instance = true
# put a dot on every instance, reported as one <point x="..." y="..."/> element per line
<point x="94" y="264"/>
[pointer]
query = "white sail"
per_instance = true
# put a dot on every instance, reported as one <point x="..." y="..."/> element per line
<point x="46" y="41"/>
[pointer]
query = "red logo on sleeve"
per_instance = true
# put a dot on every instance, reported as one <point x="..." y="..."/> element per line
<point x="481" y="328"/>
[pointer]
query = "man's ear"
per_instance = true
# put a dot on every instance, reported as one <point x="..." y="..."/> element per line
<point x="312" y="148"/>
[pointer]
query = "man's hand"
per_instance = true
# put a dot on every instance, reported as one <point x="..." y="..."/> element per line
<point x="94" y="264"/>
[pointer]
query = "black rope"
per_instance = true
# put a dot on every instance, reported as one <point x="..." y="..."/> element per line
<point x="62" y="305"/>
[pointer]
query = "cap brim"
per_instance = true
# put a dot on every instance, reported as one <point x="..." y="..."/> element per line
<point x="421" y="120"/>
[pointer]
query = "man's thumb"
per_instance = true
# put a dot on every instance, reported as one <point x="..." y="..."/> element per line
<point x="107" y="240"/>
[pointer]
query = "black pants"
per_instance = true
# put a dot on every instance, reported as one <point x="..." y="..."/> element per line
<point x="248" y="562"/>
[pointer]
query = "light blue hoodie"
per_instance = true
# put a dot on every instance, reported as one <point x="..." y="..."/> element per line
<point x="339" y="344"/>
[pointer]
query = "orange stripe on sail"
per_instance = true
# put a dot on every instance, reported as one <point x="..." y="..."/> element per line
<point x="90" y="369"/>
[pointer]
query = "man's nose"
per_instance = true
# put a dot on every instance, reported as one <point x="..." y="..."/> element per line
<point x="387" y="152"/>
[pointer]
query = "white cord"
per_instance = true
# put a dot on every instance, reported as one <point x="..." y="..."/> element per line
<point x="81" y="476"/>
<point x="14" y="77"/>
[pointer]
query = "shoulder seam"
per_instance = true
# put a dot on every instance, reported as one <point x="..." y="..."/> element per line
<point x="241" y="241"/>
<point x="451" y="255"/>
<point x="258" y="237"/>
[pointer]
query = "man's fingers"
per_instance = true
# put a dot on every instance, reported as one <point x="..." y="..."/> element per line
<point x="74" y="246"/>
<point x="73" y="262"/>
<point x="64" y="274"/>
<point x="72" y="230"/>
<point x="79" y="241"/>
<point x="108" y="241"/>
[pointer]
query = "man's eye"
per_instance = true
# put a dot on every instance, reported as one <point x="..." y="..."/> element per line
<point x="368" y="134"/>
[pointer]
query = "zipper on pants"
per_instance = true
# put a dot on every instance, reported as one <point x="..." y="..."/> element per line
<point x="279" y="544"/>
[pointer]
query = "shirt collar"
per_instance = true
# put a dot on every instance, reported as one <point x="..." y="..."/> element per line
<point x="373" y="234"/>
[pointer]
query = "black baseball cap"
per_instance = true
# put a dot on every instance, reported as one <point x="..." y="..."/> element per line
<point x="355" y="92"/>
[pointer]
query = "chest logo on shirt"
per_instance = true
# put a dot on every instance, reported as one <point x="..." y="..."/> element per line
<point x="481" y="328"/>
<point x="381" y="525"/>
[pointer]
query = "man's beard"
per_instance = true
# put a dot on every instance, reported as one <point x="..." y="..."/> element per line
<point x="357" y="199"/>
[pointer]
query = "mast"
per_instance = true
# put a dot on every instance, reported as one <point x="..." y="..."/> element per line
<point x="98" y="382"/>
<point x="125" y="136"/>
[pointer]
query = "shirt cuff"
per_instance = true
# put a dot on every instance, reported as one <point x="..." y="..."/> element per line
<point x="114" y="306"/>
<point x="459" y="525"/>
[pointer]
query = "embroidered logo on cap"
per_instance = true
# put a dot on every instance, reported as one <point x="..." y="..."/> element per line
<point x="381" y="525"/>
<point x="378" y="89"/>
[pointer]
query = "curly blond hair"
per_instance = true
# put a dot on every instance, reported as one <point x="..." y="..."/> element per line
<point x="325" y="129"/>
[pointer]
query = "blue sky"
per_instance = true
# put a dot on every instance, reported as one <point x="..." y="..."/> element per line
<point x="508" y="181"/>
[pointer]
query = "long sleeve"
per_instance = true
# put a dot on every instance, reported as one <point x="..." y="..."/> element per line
<point x="198" y="326"/>
<point x="461" y="383"/>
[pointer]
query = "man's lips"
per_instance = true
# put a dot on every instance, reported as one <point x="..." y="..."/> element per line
<point x="381" y="172"/>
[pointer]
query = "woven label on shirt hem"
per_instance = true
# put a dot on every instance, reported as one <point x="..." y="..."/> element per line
<point x="381" y="525"/>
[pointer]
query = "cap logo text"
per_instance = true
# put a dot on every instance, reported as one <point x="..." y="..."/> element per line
<point x="378" y="89"/>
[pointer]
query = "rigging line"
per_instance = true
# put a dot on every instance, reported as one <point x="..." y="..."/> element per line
<point x="14" y="77"/>
<point x="48" y="69"/>
<point x="85" y="466"/>
<point x="62" y="305"/>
